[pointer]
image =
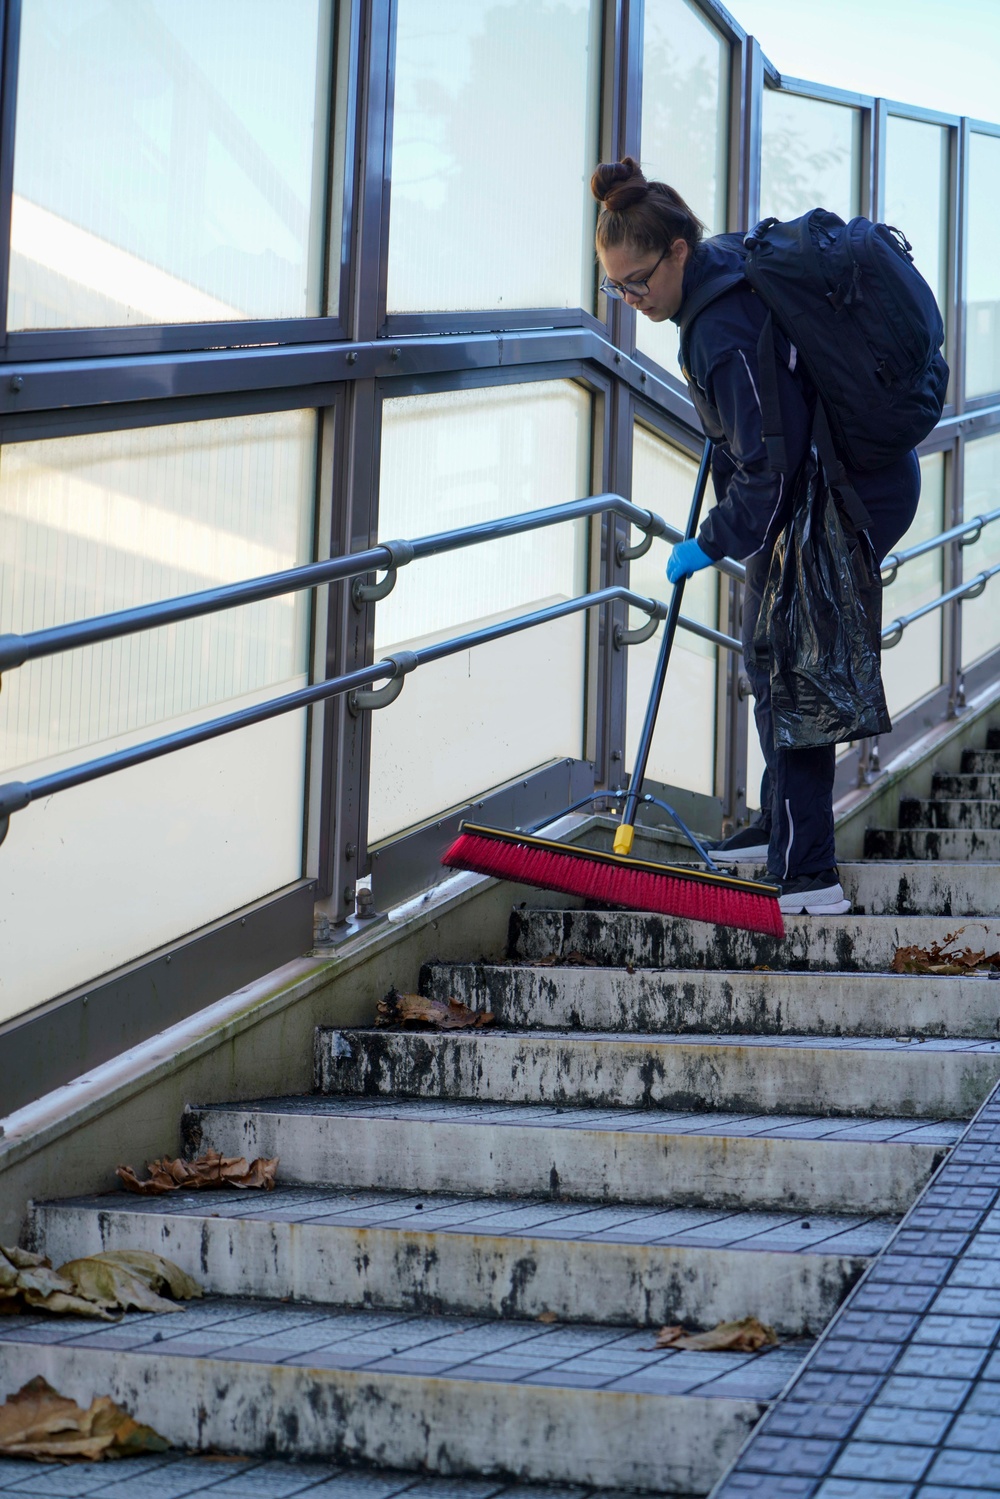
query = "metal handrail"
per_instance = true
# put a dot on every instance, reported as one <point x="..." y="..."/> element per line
<point x="15" y="650"/>
<point x="967" y="533"/>
<point x="16" y="795"/>
<point x="970" y="589"/>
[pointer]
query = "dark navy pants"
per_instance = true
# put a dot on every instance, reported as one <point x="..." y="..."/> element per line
<point x="796" y="794"/>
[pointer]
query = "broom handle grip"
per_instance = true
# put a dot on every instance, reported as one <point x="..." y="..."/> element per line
<point x="670" y="630"/>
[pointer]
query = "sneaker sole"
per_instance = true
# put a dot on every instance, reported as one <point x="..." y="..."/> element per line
<point x="791" y="905"/>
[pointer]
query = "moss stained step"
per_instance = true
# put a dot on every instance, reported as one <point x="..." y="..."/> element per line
<point x="840" y="944"/>
<point x="968" y="787"/>
<point x="488" y="1257"/>
<point x="774" y="1162"/>
<point x="783" y="1075"/>
<point x="933" y="843"/>
<point x="694" y="1003"/>
<point x="918" y="887"/>
<point x="981" y="762"/>
<point x="445" y="1395"/>
<point x="949" y="812"/>
<point x="922" y="888"/>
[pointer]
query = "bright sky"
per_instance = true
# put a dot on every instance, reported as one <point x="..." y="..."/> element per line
<point x="942" y="54"/>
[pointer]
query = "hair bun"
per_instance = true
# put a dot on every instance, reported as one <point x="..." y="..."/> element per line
<point x="619" y="184"/>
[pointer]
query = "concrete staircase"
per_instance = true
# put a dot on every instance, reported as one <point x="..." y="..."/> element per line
<point x="477" y="1232"/>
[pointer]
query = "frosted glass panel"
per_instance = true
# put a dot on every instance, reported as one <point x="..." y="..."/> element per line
<point x="685" y="126"/>
<point x="495" y="135"/>
<point x="96" y="523"/>
<point x="170" y="161"/>
<point x="916" y="199"/>
<point x="912" y="668"/>
<point x="810" y="157"/>
<point x="683" y="751"/>
<point x="982" y="336"/>
<point x="981" y="617"/>
<point x="475" y="720"/>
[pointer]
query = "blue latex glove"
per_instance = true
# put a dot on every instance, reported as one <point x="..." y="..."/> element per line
<point x="686" y="558"/>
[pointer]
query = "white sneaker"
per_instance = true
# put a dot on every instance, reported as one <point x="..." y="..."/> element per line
<point x="814" y="895"/>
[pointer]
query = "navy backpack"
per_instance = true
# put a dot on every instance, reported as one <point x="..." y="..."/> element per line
<point x="867" y="329"/>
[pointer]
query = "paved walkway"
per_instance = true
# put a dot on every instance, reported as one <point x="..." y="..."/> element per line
<point x="178" y="1476"/>
<point x="900" y="1399"/>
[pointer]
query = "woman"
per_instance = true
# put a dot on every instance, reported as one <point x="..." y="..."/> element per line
<point x="654" y="255"/>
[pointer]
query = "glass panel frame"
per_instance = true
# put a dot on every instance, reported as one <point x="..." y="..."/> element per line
<point x="905" y="205"/>
<point x="663" y="476"/>
<point x="449" y="595"/>
<point x="980" y="616"/>
<point x="422" y="164"/>
<point x="838" y="134"/>
<point x="333" y="215"/>
<point x="981" y="274"/>
<point x="106" y="519"/>
<point x="668" y="25"/>
<point x="915" y="667"/>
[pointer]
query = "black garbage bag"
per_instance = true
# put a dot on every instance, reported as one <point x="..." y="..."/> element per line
<point x="820" y="624"/>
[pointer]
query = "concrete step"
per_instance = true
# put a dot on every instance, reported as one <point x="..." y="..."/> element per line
<point x="167" y="1475"/>
<point x="916" y="888"/>
<point x="593" y="1070"/>
<point x="731" y="1161"/>
<point x="968" y="787"/>
<point x="757" y="1003"/>
<point x="981" y="762"/>
<point x="839" y="944"/>
<point x="547" y="1403"/>
<point x="922" y="888"/>
<point x="486" y="1257"/>
<point x="932" y="843"/>
<point x="944" y="812"/>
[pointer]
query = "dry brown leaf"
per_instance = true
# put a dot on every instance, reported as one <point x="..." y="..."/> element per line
<point x="94" y="1286"/>
<point x="577" y="959"/>
<point x="209" y="1170"/>
<point x="39" y="1423"/>
<point x="158" y="1273"/>
<point x="745" y="1336"/>
<point x="442" y="1015"/>
<point x="942" y="959"/>
<point x="548" y="1317"/>
<point x="110" y="1283"/>
<point x="29" y="1281"/>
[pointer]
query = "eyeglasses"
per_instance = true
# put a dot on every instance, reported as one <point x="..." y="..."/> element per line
<point x="623" y="289"/>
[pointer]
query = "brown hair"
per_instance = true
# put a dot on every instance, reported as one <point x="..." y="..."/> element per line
<point x="648" y="215"/>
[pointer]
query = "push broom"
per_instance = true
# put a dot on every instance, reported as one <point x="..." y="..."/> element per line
<point x="616" y="878"/>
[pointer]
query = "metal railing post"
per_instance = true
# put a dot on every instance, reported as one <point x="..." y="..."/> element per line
<point x="952" y="577"/>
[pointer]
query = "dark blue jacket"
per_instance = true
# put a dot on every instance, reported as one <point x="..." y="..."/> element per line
<point x="752" y="500"/>
<point x="723" y="379"/>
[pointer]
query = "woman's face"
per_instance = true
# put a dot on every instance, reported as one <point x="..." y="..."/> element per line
<point x="662" y="300"/>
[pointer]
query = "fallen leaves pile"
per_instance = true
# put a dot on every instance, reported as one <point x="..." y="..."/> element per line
<point x="209" y="1170"/>
<point x="117" y="1280"/>
<point x="442" y="1015"/>
<point x="40" y="1423"/>
<point x="944" y="958"/>
<point x="748" y="1335"/>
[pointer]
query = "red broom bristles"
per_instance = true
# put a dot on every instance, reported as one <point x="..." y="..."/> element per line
<point x="674" y="892"/>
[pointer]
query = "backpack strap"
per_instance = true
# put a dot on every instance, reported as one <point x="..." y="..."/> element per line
<point x="708" y="291"/>
<point x="770" y="405"/>
<point x="843" y="490"/>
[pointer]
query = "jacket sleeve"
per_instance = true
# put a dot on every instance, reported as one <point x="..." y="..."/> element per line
<point x="752" y="499"/>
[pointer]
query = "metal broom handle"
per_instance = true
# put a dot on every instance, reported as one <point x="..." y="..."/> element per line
<point x="625" y="831"/>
